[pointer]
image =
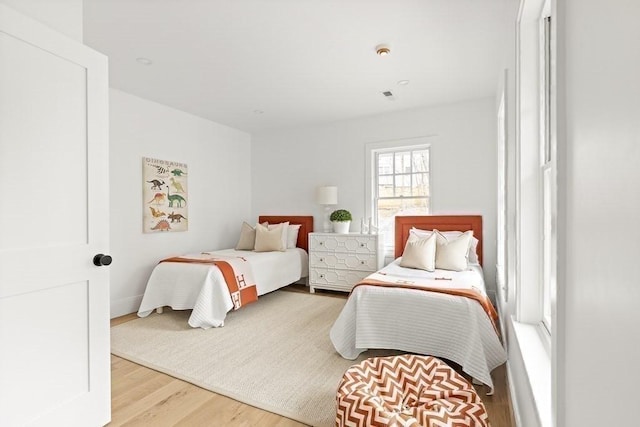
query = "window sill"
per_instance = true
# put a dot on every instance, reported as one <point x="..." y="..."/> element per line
<point x="533" y="341"/>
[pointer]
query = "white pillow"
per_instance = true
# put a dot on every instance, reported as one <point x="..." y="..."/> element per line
<point x="292" y="235"/>
<point x="473" y="249"/>
<point x="270" y="240"/>
<point x="285" y="226"/>
<point x="420" y="253"/>
<point x="247" y="239"/>
<point x="452" y="252"/>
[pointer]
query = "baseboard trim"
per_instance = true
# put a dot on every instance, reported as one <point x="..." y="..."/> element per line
<point x="125" y="306"/>
<point x="512" y="397"/>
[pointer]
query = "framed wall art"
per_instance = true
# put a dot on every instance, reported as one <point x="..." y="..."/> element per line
<point x="166" y="199"/>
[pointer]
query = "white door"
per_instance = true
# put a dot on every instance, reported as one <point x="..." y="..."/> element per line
<point x="54" y="200"/>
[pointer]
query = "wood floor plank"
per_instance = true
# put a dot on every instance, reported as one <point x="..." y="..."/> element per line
<point x="123" y="319"/>
<point x="124" y="396"/>
<point x="284" y="422"/>
<point x="218" y="408"/>
<point x="121" y="367"/>
<point x="143" y="405"/>
<point x="171" y="409"/>
<point x="124" y="383"/>
<point x="224" y="411"/>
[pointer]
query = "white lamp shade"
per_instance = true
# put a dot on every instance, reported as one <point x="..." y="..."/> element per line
<point x="327" y="195"/>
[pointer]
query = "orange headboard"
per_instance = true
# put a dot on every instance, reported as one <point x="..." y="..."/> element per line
<point x="306" y="226"/>
<point x="440" y="222"/>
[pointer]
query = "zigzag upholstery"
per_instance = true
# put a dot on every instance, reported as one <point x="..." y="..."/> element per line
<point x="407" y="390"/>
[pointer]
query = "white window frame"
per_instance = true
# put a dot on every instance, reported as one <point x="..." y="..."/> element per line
<point x="530" y="197"/>
<point x="502" y="228"/>
<point x="371" y="149"/>
<point x="548" y="211"/>
<point x="537" y="343"/>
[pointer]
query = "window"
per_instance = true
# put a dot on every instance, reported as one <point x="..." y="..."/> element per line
<point x="399" y="186"/>
<point x="501" y="223"/>
<point x="535" y="189"/>
<point x="534" y="207"/>
<point x="548" y="179"/>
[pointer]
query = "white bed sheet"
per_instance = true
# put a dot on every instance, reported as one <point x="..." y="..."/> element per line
<point x="201" y="287"/>
<point x="448" y="326"/>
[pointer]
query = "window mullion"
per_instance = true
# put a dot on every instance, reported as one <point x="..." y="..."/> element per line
<point x="396" y="189"/>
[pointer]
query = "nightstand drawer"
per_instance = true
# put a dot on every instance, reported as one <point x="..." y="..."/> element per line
<point x="342" y="260"/>
<point x="336" y="279"/>
<point x="358" y="243"/>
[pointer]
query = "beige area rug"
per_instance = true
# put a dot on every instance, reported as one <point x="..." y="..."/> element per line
<point x="275" y="354"/>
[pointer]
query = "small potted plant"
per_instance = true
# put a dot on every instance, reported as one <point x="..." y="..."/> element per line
<point x="341" y="220"/>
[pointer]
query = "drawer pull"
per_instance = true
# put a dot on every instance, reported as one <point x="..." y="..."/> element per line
<point x="321" y="243"/>
<point x="321" y="259"/>
<point x="362" y="262"/>
<point x="322" y="276"/>
<point x="362" y="245"/>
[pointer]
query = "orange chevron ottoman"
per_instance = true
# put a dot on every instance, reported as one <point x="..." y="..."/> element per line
<point x="407" y="390"/>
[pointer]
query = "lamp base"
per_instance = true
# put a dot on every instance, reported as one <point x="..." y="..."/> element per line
<point x="327" y="224"/>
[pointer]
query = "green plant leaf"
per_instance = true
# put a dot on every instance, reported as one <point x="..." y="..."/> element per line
<point x="340" y="215"/>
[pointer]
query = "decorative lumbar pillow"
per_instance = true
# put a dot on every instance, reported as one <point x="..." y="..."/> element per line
<point x="452" y="253"/>
<point x="420" y="253"/>
<point x="285" y="226"/>
<point x="473" y="249"/>
<point x="270" y="240"/>
<point x="247" y="239"/>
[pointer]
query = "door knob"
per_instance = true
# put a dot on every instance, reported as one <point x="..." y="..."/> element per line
<point x="101" y="259"/>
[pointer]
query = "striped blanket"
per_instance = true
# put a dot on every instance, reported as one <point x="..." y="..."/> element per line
<point x="237" y="275"/>
<point x="438" y="284"/>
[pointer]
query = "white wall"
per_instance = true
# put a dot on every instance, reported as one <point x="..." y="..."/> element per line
<point x="599" y="199"/>
<point x="288" y="165"/>
<point x="64" y="16"/>
<point x="219" y="185"/>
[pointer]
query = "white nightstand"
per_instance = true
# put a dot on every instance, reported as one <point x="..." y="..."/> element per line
<point x="339" y="261"/>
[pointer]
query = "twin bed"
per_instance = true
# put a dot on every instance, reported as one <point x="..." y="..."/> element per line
<point x="403" y="317"/>
<point x="438" y="324"/>
<point x="202" y="289"/>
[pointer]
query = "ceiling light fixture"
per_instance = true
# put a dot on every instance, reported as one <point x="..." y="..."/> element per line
<point x="144" y="61"/>
<point x="383" y="50"/>
<point x="258" y="111"/>
<point x="403" y="82"/>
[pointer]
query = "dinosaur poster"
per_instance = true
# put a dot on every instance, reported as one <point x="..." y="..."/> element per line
<point x="165" y="197"/>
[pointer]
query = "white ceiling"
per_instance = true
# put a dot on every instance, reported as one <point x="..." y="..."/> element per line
<point x="301" y="62"/>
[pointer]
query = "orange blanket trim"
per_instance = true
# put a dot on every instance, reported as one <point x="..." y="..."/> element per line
<point x="484" y="301"/>
<point x="241" y="292"/>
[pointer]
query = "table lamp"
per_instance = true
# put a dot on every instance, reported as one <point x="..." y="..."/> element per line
<point x="327" y="196"/>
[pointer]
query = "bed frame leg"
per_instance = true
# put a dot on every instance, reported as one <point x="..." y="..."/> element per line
<point x="312" y="290"/>
<point x="159" y="310"/>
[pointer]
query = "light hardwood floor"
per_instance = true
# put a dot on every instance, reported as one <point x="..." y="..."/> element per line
<point x="143" y="397"/>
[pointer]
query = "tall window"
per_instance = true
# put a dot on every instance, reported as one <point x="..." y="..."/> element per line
<point x="535" y="212"/>
<point x="501" y="223"/>
<point x="547" y="173"/>
<point x="400" y="186"/>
